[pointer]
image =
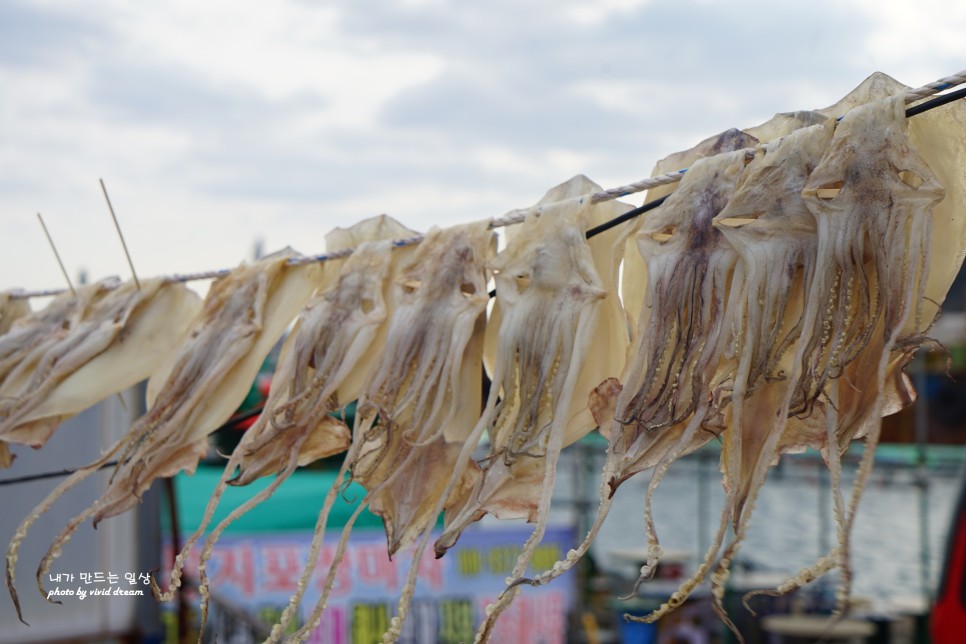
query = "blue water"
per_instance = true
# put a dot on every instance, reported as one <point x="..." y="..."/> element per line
<point x="792" y="524"/>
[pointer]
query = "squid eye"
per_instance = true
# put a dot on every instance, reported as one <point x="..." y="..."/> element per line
<point x="664" y="234"/>
<point x="367" y="305"/>
<point x="522" y="282"/>
<point x="467" y="289"/>
<point x="411" y="285"/>
<point x="910" y="178"/>
<point x="830" y="190"/>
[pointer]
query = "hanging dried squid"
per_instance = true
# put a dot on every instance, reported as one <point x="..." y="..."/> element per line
<point x="872" y="197"/>
<point x="12" y="308"/>
<point x="774" y="235"/>
<point x="198" y="387"/>
<point x="26" y="332"/>
<point x="809" y="379"/>
<point x="664" y="409"/>
<point x="119" y="338"/>
<point x="31" y="335"/>
<point x="323" y="363"/>
<point x="837" y="330"/>
<point x="369" y="276"/>
<point x="945" y="153"/>
<point x="335" y="338"/>
<point x="556" y="331"/>
<point x="672" y="400"/>
<point x="423" y="397"/>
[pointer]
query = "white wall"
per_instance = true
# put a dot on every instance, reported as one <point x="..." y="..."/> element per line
<point x="113" y="547"/>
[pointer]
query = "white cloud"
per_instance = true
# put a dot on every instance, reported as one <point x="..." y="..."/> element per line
<point x="279" y="50"/>
<point x="914" y="36"/>
<point x="600" y="11"/>
<point x="217" y="122"/>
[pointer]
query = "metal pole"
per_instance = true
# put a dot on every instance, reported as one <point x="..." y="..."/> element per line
<point x="922" y="476"/>
<point x="824" y="501"/>
<point x="703" y="506"/>
<point x="150" y="625"/>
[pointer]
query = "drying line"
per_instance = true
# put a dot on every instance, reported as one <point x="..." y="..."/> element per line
<point x="935" y="87"/>
<point x="49" y="475"/>
<point x="518" y="215"/>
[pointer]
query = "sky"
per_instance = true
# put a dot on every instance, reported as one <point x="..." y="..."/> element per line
<point x="215" y="124"/>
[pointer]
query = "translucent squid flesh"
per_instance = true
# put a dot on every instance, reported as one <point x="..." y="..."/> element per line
<point x="774" y="236"/>
<point x="634" y="286"/>
<point x="194" y="392"/>
<point x="379" y="293"/>
<point x="32" y="333"/>
<point x="426" y="392"/>
<point x="677" y="388"/>
<point x="638" y="446"/>
<point x="424" y="396"/>
<point x="121" y="337"/>
<point x="945" y="152"/>
<point x="556" y="302"/>
<point x="937" y="135"/>
<point x="689" y="268"/>
<point x="334" y="336"/>
<point x="872" y="197"/>
<point x="657" y="414"/>
<point x="24" y="332"/>
<point x="556" y="295"/>
<point x="11" y="310"/>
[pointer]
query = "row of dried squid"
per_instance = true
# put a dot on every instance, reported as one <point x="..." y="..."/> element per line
<point x="771" y="302"/>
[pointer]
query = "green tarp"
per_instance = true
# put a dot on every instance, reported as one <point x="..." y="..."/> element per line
<point x="295" y="505"/>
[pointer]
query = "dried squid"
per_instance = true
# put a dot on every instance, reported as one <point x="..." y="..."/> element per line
<point x="323" y="362"/>
<point x="634" y="286"/>
<point x="774" y="236"/>
<point x="24" y="332"/>
<point x="198" y="387"/>
<point x="945" y="152"/>
<point x="872" y="197"/>
<point x="895" y="185"/>
<point x="664" y="408"/>
<point x="334" y="337"/>
<point x="870" y="200"/>
<point x="558" y="330"/>
<point x="813" y="382"/>
<point x="29" y="338"/>
<point x="119" y="339"/>
<point x="672" y="400"/>
<point x="423" y="397"/>
<point x="32" y="334"/>
<point x="12" y="308"/>
<point x="365" y="286"/>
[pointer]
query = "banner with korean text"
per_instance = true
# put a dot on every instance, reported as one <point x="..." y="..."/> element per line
<point x="259" y="573"/>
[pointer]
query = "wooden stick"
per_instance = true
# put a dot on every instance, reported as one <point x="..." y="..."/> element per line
<point x="120" y="234"/>
<point x="56" y="254"/>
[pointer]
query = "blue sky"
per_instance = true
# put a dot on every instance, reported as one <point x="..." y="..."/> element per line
<point x="217" y="123"/>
